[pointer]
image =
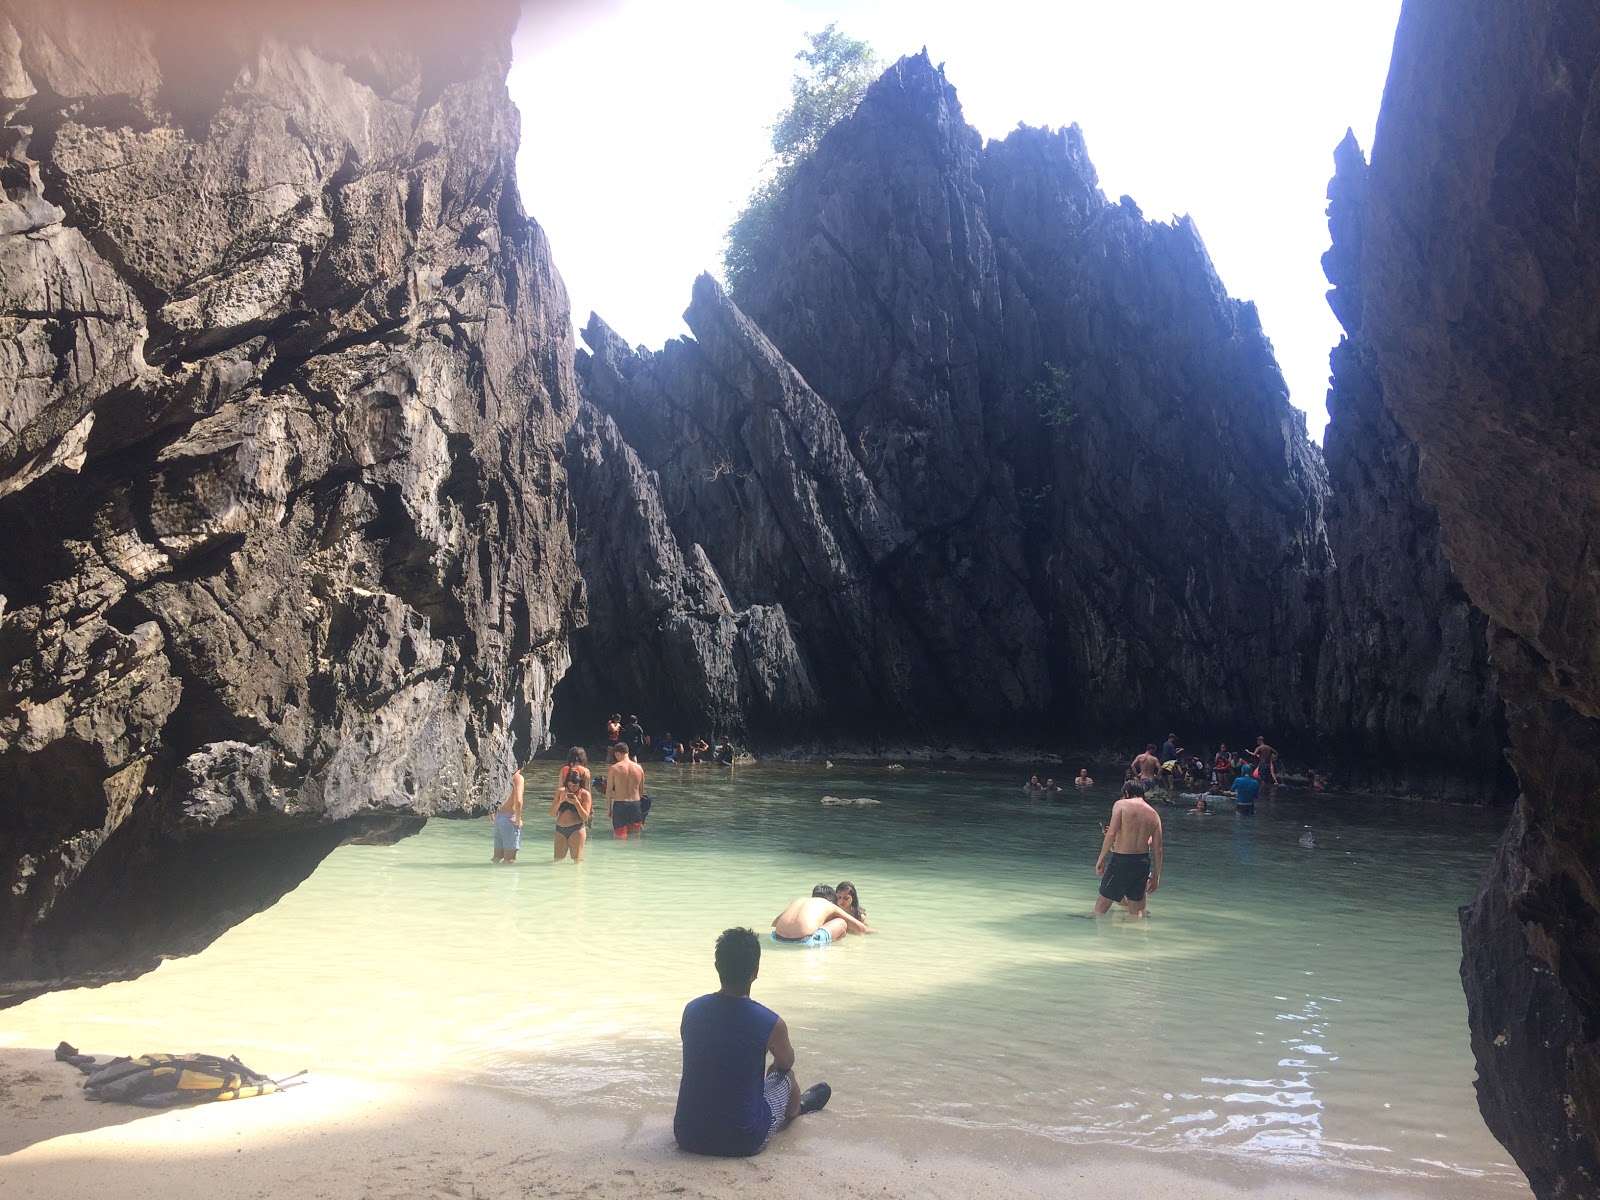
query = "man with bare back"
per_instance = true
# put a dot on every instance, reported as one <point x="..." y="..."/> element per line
<point x="508" y="823"/>
<point x="816" y="920"/>
<point x="1147" y="767"/>
<point x="1266" y="764"/>
<point x="624" y="791"/>
<point x="1133" y="841"/>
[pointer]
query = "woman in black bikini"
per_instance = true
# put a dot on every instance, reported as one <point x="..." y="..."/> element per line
<point x="572" y="808"/>
<point x="849" y="899"/>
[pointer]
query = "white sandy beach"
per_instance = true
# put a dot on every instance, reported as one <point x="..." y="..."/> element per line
<point x="348" y="1138"/>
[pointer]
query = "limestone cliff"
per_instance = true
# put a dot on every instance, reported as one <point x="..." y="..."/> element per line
<point x="1005" y="454"/>
<point x="1480" y="277"/>
<point x="284" y="377"/>
<point x="1405" y="693"/>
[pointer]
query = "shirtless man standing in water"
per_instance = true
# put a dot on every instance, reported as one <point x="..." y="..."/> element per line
<point x="508" y="823"/>
<point x="1147" y="766"/>
<point x="624" y="790"/>
<point x="1132" y="838"/>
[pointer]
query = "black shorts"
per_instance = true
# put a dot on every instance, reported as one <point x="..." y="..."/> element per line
<point x="625" y="813"/>
<point x="1125" y="877"/>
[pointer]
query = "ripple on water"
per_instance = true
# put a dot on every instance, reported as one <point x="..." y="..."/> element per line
<point x="1283" y="1004"/>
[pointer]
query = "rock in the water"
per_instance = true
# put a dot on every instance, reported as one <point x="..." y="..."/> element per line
<point x="284" y="377"/>
<point x="1480" y="282"/>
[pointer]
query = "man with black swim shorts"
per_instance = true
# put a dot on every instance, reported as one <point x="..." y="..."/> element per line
<point x="624" y="793"/>
<point x="1133" y="843"/>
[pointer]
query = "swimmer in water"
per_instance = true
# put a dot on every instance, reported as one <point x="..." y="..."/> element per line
<point x="816" y="920"/>
<point x="1050" y="785"/>
<point x="1083" y="779"/>
<point x="847" y="898"/>
<point x="572" y="808"/>
<point x="1033" y="784"/>
<point x="1201" y="806"/>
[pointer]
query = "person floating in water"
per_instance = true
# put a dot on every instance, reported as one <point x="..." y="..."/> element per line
<point x="1245" y="790"/>
<point x="572" y="808"/>
<point x="624" y="791"/>
<point x="731" y="1099"/>
<point x="1050" y="785"/>
<point x="816" y="920"/>
<point x="1033" y="784"/>
<point x="1133" y="841"/>
<point x="1201" y="806"/>
<point x="1083" y="779"/>
<point x="508" y="823"/>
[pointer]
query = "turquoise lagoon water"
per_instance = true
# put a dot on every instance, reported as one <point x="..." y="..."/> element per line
<point x="1284" y="1005"/>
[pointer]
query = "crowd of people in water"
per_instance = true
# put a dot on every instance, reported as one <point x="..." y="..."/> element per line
<point x="627" y="802"/>
<point x="738" y="1085"/>
<point x="1170" y="771"/>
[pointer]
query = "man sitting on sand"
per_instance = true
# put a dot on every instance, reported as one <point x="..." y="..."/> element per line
<point x="816" y="920"/>
<point x="1133" y="839"/>
<point x="730" y="1101"/>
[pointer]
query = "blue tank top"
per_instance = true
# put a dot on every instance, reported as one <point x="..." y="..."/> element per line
<point x="721" y="1109"/>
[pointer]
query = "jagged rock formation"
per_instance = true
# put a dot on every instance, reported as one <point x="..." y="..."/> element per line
<point x="284" y="377"/>
<point x="1005" y="453"/>
<point x="1405" y="692"/>
<point x="1481" y="305"/>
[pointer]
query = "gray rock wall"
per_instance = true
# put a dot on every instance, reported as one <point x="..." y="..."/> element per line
<point x="284" y="377"/>
<point x="1481" y="285"/>
<point x="1405" y="693"/>
<point x="1005" y="453"/>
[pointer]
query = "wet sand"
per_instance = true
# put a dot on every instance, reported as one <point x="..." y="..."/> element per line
<point x="343" y="1137"/>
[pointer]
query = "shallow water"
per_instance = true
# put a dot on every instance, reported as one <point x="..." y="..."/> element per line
<point x="1299" y="1006"/>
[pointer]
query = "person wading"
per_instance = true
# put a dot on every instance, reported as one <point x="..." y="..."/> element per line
<point x="1133" y="841"/>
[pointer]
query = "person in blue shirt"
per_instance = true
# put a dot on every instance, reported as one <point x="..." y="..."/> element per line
<point x="730" y="1099"/>
<point x="1245" y="789"/>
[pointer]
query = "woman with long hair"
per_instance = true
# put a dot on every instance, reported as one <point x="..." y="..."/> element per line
<point x="572" y="808"/>
<point x="849" y="899"/>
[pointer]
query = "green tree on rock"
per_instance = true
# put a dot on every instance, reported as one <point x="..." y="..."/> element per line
<point x="837" y="71"/>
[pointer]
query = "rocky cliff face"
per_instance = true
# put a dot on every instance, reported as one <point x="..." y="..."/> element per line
<point x="1405" y="692"/>
<point x="284" y="377"/>
<point x="1481" y="285"/>
<point x="1004" y="453"/>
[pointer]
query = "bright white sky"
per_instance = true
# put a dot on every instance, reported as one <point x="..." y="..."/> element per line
<point x="645" y="124"/>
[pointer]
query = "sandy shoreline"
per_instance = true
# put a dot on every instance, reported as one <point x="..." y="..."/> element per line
<point x="345" y="1137"/>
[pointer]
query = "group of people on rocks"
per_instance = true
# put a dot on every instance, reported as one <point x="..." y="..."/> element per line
<point x="670" y="750"/>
